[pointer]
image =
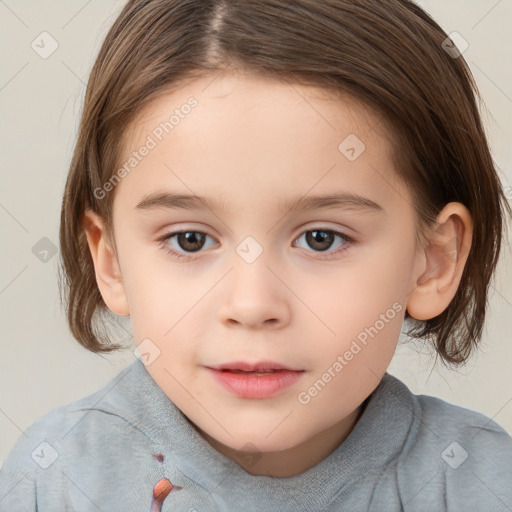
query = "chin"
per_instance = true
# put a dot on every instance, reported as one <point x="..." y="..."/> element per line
<point x="259" y="442"/>
<point x="248" y="434"/>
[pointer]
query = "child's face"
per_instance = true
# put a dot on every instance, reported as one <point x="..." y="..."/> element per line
<point x="265" y="284"/>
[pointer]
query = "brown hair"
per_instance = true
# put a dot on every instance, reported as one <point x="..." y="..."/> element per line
<point x="388" y="54"/>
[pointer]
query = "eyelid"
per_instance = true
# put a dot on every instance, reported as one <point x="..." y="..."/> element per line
<point x="185" y="227"/>
<point x="348" y="242"/>
<point x="325" y="226"/>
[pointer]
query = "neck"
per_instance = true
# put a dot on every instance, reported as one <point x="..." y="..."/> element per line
<point x="295" y="460"/>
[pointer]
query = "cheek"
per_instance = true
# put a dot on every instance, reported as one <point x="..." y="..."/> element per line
<point x="349" y="369"/>
<point x="170" y="314"/>
<point x="364" y="312"/>
<point x="155" y="303"/>
<point x="357" y="297"/>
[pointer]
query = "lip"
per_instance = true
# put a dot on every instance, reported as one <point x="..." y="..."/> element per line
<point x="260" y="380"/>
<point x="259" y="366"/>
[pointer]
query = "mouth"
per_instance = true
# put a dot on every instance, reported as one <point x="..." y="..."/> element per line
<point x="253" y="372"/>
<point x="255" y="380"/>
<point x="259" y="367"/>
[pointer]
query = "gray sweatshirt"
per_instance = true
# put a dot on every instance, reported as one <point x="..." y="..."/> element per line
<point x="106" y="452"/>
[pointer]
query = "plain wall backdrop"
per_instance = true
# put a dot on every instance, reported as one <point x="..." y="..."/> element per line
<point x="41" y="365"/>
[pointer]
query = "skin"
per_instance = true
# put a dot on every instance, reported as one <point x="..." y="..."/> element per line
<point x="253" y="143"/>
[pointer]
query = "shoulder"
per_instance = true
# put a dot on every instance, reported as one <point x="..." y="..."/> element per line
<point x="96" y="425"/>
<point x="479" y="435"/>
<point x="466" y="455"/>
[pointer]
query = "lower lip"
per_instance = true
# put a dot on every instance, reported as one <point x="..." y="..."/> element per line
<point x="251" y="385"/>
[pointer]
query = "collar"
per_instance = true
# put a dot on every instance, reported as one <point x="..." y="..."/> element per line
<point x="385" y="430"/>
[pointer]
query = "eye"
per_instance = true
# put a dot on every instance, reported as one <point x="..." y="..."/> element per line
<point x="323" y="239"/>
<point x="188" y="241"/>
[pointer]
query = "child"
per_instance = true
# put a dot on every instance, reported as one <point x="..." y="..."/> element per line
<point x="327" y="164"/>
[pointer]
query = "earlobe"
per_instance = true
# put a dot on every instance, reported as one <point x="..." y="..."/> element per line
<point x="106" y="265"/>
<point x="443" y="261"/>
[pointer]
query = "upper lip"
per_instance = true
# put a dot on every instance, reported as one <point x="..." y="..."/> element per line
<point x="260" y="366"/>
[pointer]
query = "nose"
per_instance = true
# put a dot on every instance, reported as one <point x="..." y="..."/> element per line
<point x="255" y="296"/>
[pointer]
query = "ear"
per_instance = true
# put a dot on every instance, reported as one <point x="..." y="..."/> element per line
<point x="443" y="261"/>
<point x="106" y="265"/>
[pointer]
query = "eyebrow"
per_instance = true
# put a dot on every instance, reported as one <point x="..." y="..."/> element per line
<point x="346" y="200"/>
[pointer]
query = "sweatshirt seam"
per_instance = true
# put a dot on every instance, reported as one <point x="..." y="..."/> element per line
<point x="118" y="415"/>
<point x="153" y="441"/>
<point x="410" y="438"/>
<point x="417" y="420"/>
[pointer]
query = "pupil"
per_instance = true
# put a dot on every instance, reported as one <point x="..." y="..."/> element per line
<point x="191" y="237"/>
<point x="318" y="239"/>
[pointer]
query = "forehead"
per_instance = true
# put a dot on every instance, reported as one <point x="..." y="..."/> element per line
<point x="242" y="94"/>
<point x="266" y="137"/>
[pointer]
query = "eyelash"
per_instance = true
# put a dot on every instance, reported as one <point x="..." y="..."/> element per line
<point x="188" y="257"/>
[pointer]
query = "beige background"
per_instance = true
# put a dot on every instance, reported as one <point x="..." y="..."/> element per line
<point x="41" y="366"/>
